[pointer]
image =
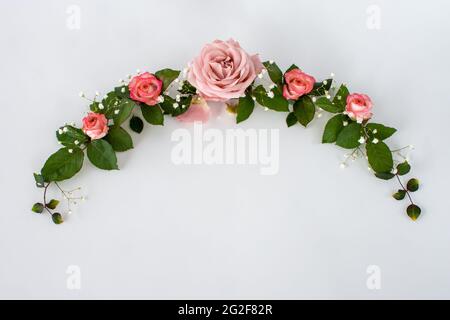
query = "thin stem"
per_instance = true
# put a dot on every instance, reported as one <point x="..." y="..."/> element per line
<point x="45" y="198"/>
<point x="406" y="190"/>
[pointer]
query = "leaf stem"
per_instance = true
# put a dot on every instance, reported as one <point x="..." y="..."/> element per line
<point x="45" y="197"/>
<point x="404" y="189"/>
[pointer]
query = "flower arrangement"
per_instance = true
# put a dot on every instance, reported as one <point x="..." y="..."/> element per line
<point x="224" y="72"/>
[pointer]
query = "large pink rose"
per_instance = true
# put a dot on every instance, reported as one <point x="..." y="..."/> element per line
<point x="198" y="111"/>
<point x="95" y="125"/>
<point x="297" y="84"/>
<point x="359" y="107"/>
<point x="145" y="88"/>
<point x="223" y="70"/>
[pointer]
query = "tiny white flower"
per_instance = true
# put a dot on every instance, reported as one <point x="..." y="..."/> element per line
<point x="319" y="115"/>
<point x="81" y="94"/>
<point x="339" y="97"/>
<point x="176" y="80"/>
<point x="175" y="105"/>
<point x="160" y="99"/>
<point x="369" y="168"/>
<point x="325" y="82"/>
<point x="375" y="141"/>
<point x="332" y="74"/>
<point x="343" y="165"/>
<point x="362" y="140"/>
<point x="359" y="120"/>
<point x="328" y="96"/>
<point x="138" y="71"/>
<point x="183" y="106"/>
<point x="81" y="145"/>
<point x="97" y="93"/>
<point x="101" y="106"/>
<point x="271" y="86"/>
<point x="120" y="80"/>
<point x="260" y="75"/>
<point x="411" y="146"/>
<point x="116" y="111"/>
<point x="254" y="99"/>
<point x="375" y="131"/>
<point x="60" y="131"/>
<point x="178" y="98"/>
<point x="123" y="90"/>
<point x="345" y="123"/>
<point x="70" y="150"/>
<point x="270" y="94"/>
<point x="116" y="103"/>
<point x="266" y="109"/>
<point x="394" y="171"/>
<point x="65" y="129"/>
<point x="314" y="99"/>
<point x="76" y="142"/>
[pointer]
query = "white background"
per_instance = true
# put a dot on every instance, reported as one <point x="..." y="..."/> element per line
<point x="156" y="230"/>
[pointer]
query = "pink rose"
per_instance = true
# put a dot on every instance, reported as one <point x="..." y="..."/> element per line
<point x="95" y="125"/>
<point x="223" y="70"/>
<point x="297" y="84"/>
<point x="198" y="111"/>
<point x="359" y="107"/>
<point x="145" y="88"/>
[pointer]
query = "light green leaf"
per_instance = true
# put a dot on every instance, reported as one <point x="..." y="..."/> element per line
<point x="153" y="114"/>
<point x="70" y="136"/>
<point x="380" y="131"/>
<point x="167" y="76"/>
<point x="340" y="98"/>
<point x="277" y="103"/>
<point x="52" y="204"/>
<point x="274" y="72"/>
<point x="333" y="128"/>
<point x="325" y="104"/>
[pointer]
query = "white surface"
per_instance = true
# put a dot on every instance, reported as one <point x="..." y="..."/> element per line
<point x="156" y="230"/>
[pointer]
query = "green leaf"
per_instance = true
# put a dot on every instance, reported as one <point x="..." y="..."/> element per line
<point x="412" y="185"/>
<point x="70" y="136"/>
<point x="57" y="218"/>
<point x="379" y="156"/>
<point x="332" y="129"/>
<point x="399" y="195"/>
<point x="122" y="91"/>
<point x="349" y="136"/>
<point x="413" y="211"/>
<point x="277" y="103"/>
<point x="63" y="164"/>
<point x="340" y="98"/>
<point x="274" y="72"/>
<point x="291" y="119"/>
<point x="292" y="67"/>
<point x="167" y="76"/>
<point x="136" y="124"/>
<point x="102" y="155"/>
<point x="380" y="131"/>
<point x="183" y="106"/>
<point x="121" y="112"/>
<point x="119" y="139"/>
<point x="187" y="88"/>
<point x="153" y="114"/>
<point x="320" y="88"/>
<point x="52" y="204"/>
<point x="403" y="168"/>
<point x="244" y="108"/>
<point x="38" y="207"/>
<point x="384" y="175"/>
<point x="304" y="110"/>
<point x="39" y="179"/>
<point x="325" y="104"/>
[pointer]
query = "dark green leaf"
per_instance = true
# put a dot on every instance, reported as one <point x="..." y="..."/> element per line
<point x="292" y="67"/>
<point x="380" y="131"/>
<point x="121" y="112"/>
<point x="183" y="106"/>
<point x="102" y="155"/>
<point x="403" y="168"/>
<point x="37" y="207"/>
<point x="70" y="136"/>
<point x="412" y="185"/>
<point x="119" y="139"/>
<point x="39" y="179"/>
<point x="136" y="124"/>
<point x="63" y="164"/>
<point x="379" y="156"/>
<point x="52" y="204"/>
<point x="122" y="92"/>
<point x="244" y="108"/>
<point x="349" y="136"/>
<point x="277" y="103"/>
<point x="304" y="110"/>
<point x="325" y="104"/>
<point x="187" y="88"/>
<point x="399" y="195"/>
<point x="413" y="211"/>
<point x="153" y="114"/>
<point x="384" y="175"/>
<point x="57" y="218"/>
<point x="167" y="76"/>
<point x="167" y="105"/>
<point x="320" y="88"/>
<point x="332" y="129"/>
<point x="291" y="119"/>
<point x="274" y="72"/>
<point x="340" y="98"/>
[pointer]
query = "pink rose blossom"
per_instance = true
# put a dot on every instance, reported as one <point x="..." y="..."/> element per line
<point x="145" y="88"/>
<point x="95" y="125"/>
<point x="359" y="107"/>
<point x="198" y="111"/>
<point x="297" y="84"/>
<point x="223" y="70"/>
